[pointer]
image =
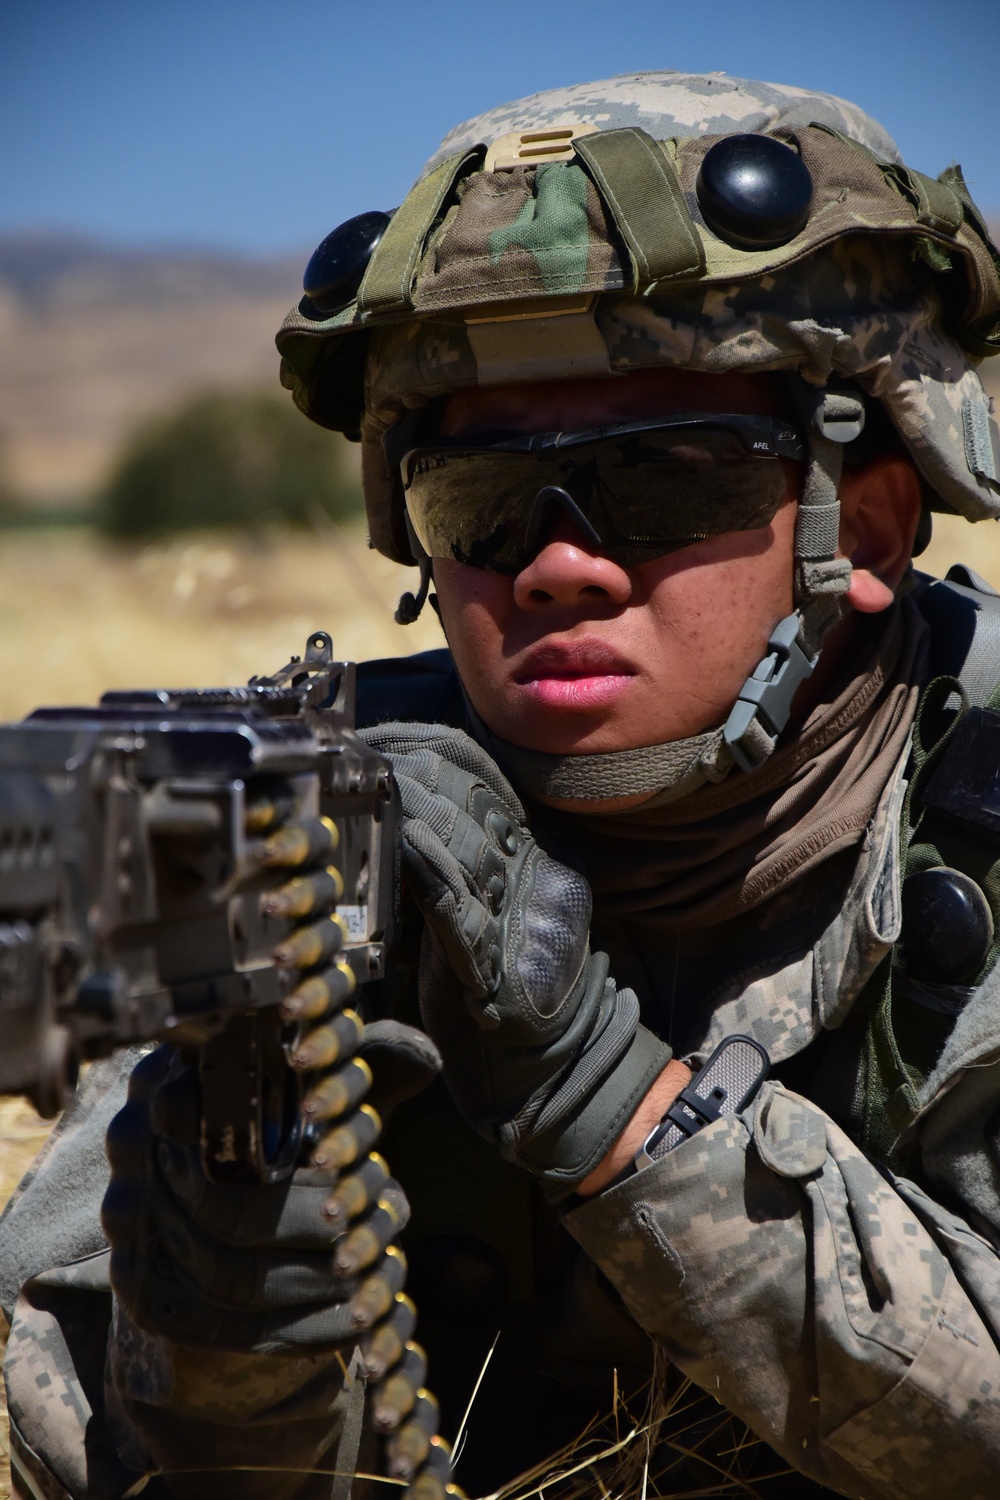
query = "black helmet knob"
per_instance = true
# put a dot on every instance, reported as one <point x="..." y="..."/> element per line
<point x="754" y="191"/>
<point x="336" y="268"/>
<point x="947" y="929"/>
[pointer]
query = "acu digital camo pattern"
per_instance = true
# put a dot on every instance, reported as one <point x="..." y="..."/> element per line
<point x="784" y="1004"/>
<point x="859" y="294"/>
<point x="848" y="1318"/>
<point x="98" y="1408"/>
<point x="668" y="103"/>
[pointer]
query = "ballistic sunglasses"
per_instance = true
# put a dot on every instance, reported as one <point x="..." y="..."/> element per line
<point x="635" y="490"/>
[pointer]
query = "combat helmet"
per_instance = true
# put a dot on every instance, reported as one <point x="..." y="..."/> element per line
<point x="697" y="221"/>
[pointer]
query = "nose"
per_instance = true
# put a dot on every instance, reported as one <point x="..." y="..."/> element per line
<point x="568" y="570"/>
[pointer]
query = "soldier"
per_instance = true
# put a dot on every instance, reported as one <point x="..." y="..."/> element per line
<point x="658" y="380"/>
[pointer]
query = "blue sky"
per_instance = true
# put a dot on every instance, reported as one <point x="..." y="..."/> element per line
<point x="260" y="124"/>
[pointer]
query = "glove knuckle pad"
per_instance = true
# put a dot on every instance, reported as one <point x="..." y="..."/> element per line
<point x="488" y="951"/>
<point x="491" y="877"/>
<point x="457" y="785"/>
<point x="554" y="929"/>
<point x="468" y="846"/>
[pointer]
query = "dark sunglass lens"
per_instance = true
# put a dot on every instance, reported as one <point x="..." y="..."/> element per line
<point x="337" y="267"/>
<point x="470" y="506"/>
<point x="641" y="494"/>
<point x="687" y="487"/>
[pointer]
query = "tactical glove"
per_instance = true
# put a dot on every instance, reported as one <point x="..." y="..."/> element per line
<point x="240" y="1265"/>
<point x="542" y="1053"/>
<point x="302" y="1265"/>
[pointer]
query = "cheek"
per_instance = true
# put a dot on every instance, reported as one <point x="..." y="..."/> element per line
<point x="729" y="588"/>
<point x="476" y="607"/>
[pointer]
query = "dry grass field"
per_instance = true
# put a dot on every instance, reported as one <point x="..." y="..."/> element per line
<point x="78" y="616"/>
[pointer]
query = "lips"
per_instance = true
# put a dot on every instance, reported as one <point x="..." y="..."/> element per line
<point x="578" y="675"/>
<point x="571" y="659"/>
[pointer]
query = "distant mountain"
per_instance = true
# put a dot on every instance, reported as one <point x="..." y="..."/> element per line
<point x="52" y="272"/>
<point x="95" y="337"/>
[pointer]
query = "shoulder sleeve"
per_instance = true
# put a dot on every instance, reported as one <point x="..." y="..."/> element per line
<point x="423" y="687"/>
<point x="53" y="1217"/>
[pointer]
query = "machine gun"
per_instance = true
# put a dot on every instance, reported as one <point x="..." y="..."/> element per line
<point x="142" y="842"/>
<point x="217" y="868"/>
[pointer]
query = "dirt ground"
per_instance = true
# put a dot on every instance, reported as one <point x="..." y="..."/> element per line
<point x="77" y="616"/>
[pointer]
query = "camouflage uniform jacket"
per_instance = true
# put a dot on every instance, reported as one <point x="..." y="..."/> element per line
<point x="851" y="1317"/>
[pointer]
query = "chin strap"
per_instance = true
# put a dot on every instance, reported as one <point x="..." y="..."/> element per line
<point x="821" y="579"/>
<point x="657" y="773"/>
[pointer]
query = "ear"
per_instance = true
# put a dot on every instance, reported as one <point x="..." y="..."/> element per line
<point x="879" y="511"/>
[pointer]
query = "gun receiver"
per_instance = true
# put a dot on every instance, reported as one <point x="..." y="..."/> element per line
<point x="142" y="843"/>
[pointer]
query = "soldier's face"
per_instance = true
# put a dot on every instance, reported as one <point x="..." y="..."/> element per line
<point x="579" y="654"/>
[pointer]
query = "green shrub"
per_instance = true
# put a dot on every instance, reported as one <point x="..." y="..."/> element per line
<point x="228" y="458"/>
<point x="11" y="503"/>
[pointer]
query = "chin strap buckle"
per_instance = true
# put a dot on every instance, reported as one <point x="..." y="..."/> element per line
<point x="761" y="711"/>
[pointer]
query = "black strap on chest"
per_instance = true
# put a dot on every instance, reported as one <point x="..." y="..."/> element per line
<point x="945" y="822"/>
<point x="963" y="612"/>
